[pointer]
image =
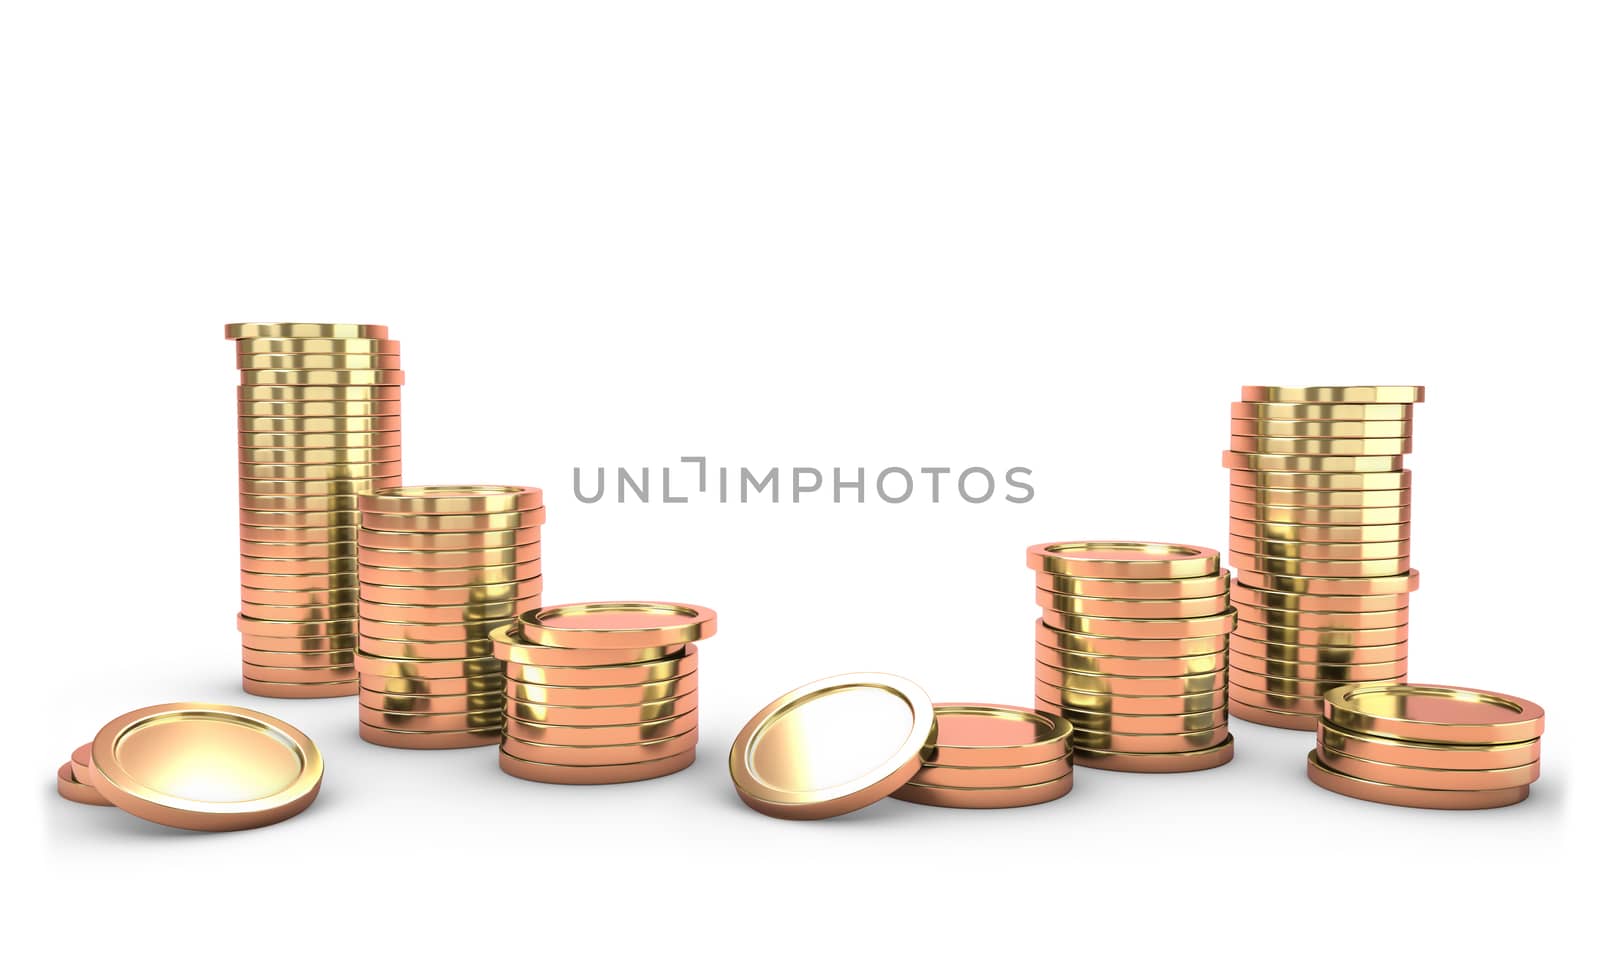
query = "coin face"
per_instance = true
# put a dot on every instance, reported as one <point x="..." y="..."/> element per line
<point x="990" y="734"/>
<point x="1437" y="714"/>
<point x="622" y="624"/>
<point x="1126" y="560"/>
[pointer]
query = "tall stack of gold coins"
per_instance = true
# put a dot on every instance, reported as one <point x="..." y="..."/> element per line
<point x="319" y="425"/>
<point x="602" y="692"/>
<point x="1132" y="648"/>
<point x="441" y="568"/>
<point x="1415" y="745"/>
<point x="1320" y="537"/>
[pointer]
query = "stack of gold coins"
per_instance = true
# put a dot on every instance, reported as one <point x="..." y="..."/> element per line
<point x="1132" y="649"/>
<point x="602" y="692"/>
<point x="441" y="567"/>
<point x="1320" y="525"/>
<point x="988" y="756"/>
<point x="319" y="425"/>
<point x="1442" y="748"/>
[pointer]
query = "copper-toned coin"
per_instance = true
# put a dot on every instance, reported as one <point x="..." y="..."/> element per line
<point x="321" y="535"/>
<point x="1320" y="499"/>
<point x="321" y="378"/>
<point x="1132" y="609"/>
<point x="82" y="763"/>
<point x="1437" y="756"/>
<point x="1308" y="603"/>
<point x="297" y="331"/>
<point x="405" y="703"/>
<point x="1354" y="620"/>
<point x="204" y="766"/>
<point x="1147" y="743"/>
<point x="1322" y="411"/>
<point x="278" y="628"/>
<point x="474" y="595"/>
<point x="341" y="345"/>
<point x="833" y="746"/>
<point x="1048" y="636"/>
<point x="319" y="361"/>
<point x="985" y="798"/>
<point x="299" y="691"/>
<point x="333" y="674"/>
<point x="379" y="559"/>
<point x="307" y="440"/>
<point x="1438" y="714"/>
<point x="933" y="775"/>
<point x="71" y="787"/>
<point x="1245" y="651"/>
<point x="447" y="613"/>
<point x="1180" y="666"/>
<point x="596" y="773"/>
<point x="510" y="644"/>
<point x="994" y="735"/>
<point x="1301" y="550"/>
<point x="1259" y="674"/>
<point x="425" y="740"/>
<point x="1289" y="463"/>
<point x="388" y="470"/>
<point x="1183" y="629"/>
<point x="1362" y="394"/>
<point x="1242" y="682"/>
<point x="1428" y="777"/>
<point x="337" y="487"/>
<point x="1070" y="700"/>
<point x="1116" y="559"/>
<point x="620" y="675"/>
<point x="253" y="457"/>
<point x="310" y="612"/>
<point x="1322" y="446"/>
<point x="302" y="393"/>
<point x="623" y="695"/>
<point x="1321" y="429"/>
<point x="1180" y="588"/>
<point x="1279" y="702"/>
<point x="1337" y="586"/>
<point x="371" y="666"/>
<point x="296" y="599"/>
<point x="427" y="649"/>
<point x="1320" y="568"/>
<point x="297" y="582"/>
<point x="296" y="557"/>
<point x="1146" y="723"/>
<point x="444" y="577"/>
<point x="648" y="712"/>
<point x="1319" y="516"/>
<point x="434" y="686"/>
<point x="1292" y="480"/>
<point x="550" y="734"/>
<point x="1311" y="533"/>
<point x="454" y="542"/>
<point x="601" y="754"/>
<point x="277" y="658"/>
<point x="618" y="624"/>
<point x="460" y="631"/>
<point x="453" y="523"/>
<point x="1283" y="719"/>
<point x="454" y="499"/>
<point x="299" y="505"/>
<point x="1070" y="682"/>
<point x="1337" y="782"/>
<point x="298" y="518"/>
<point x="289" y="410"/>
<point x="1185" y="762"/>
<point x="428" y="722"/>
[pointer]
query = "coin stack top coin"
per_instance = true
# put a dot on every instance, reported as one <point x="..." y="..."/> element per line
<point x="1132" y="649"/>
<point x="440" y="568"/>
<point x="1416" y="745"/>
<point x="1319" y="519"/>
<point x="319" y="425"/>
<point x="604" y="692"/>
<point x="989" y="756"/>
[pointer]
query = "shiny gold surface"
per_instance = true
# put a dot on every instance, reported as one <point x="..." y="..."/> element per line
<point x="1430" y="713"/>
<point x="453" y="499"/>
<point x="1360" y="394"/>
<point x="1290" y="463"/>
<point x="298" y="331"/>
<point x="991" y="734"/>
<point x="618" y="624"/>
<point x="1117" y="559"/>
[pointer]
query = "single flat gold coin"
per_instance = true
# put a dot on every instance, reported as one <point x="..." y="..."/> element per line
<point x="994" y="735"/>
<point x="71" y="788"/>
<point x="1321" y="411"/>
<point x="304" y="331"/>
<point x="1436" y="714"/>
<point x="1321" y="429"/>
<point x="1289" y="480"/>
<point x="1290" y="463"/>
<point x="457" y="499"/>
<point x="1323" y="446"/>
<point x="618" y="624"/>
<point x="1124" y="560"/>
<point x="985" y="798"/>
<point x="833" y="746"/>
<point x="1363" y="394"/>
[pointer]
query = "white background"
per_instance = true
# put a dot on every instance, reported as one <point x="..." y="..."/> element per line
<point x="825" y="233"/>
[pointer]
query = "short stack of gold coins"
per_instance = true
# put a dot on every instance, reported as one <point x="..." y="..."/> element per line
<point x="1319" y="518"/>
<point x="992" y="756"/>
<point x="319" y="425"/>
<point x="1419" y="745"/>
<point x="1132" y="648"/>
<point x="441" y="567"/>
<point x="604" y="692"/>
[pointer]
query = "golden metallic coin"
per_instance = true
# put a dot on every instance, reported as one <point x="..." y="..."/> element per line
<point x="1241" y="680"/>
<point x="1283" y="719"/>
<point x="252" y="626"/>
<point x="406" y="703"/>
<point x="1314" y="516"/>
<point x="427" y="649"/>
<point x="1184" y="762"/>
<point x="338" y="345"/>
<point x="336" y="487"/>
<point x="1290" y="480"/>
<point x="254" y="554"/>
<point x="300" y="644"/>
<point x="312" y="612"/>
<point x="1320" y="429"/>
<point x="434" y="686"/>
<point x="605" y="735"/>
<point x="427" y="722"/>
<point x="452" y="596"/>
<point x="1308" y="603"/>
<point x="1320" y="568"/>
<point x="299" y="691"/>
<point x="1437" y="714"/>
<point x="458" y="499"/>
<point x="1172" y="723"/>
<point x="1132" y="609"/>
<point x="1115" y="559"/>
<point x="282" y="513"/>
<point x="1066" y="701"/>
<point x="271" y="582"/>
<point x="1282" y="702"/>
<point x="1177" y="629"/>
<point x="600" y="754"/>
<point x="426" y="740"/>
<point x="370" y="666"/>
<point x="1083" y="643"/>
<point x="985" y="798"/>
<point x="453" y="523"/>
<point x="294" y="535"/>
<point x="321" y="599"/>
<point x="1181" y="666"/>
<point x="622" y="675"/>
<point x="486" y="540"/>
<point x="356" y="442"/>
<point x="1148" y="743"/>
<point x="1322" y="411"/>
<point x="1289" y="463"/>
<point x="350" y="425"/>
<point x="1301" y="550"/>
<point x="459" y="631"/>
<point x="1180" y="588"/>
<point x="205" y="766"/>
<point x="1246" y="652"/>
<point x="1436" y="756"/>
<point x="299" y="331"/>
<point x="1330" y="779"/>
<point x="1363" y="394"/>
<point x="991" y="777"/>
<point x="618" y="624"/>
<point x="343" y="394"/>
<point x="994" y="735"/>
<point x="319" y="659"/>
<point x="540" y="694"/>
<point x="386" y="470"/>
<point x="253" y="457"/>
<point x="1277" y="676"/>
<point x="1337" y="586"/>
<point x="1074" y="682"/>
<point x="595" y="773"/>
<point x="1322" y="446"/>
<point x="378" y="558"/>
<point x="71" y="788"/>
<point x="1428" y="777"/>
<point x="319" y="361"/>
<point x="447" y="614"/>
<point x="1312" y="533"/>
<point x="1353" y="620"/>
<point x="510" y="645"/>
<point x="449" y="578"/>
<point x="833" y="746"/>
<point x="333" y="674"/>
<point x="321" y="378"/>
<point x="632" y="714"/>
<point x="82" y="763"/>
<point x="1320" y="499"/>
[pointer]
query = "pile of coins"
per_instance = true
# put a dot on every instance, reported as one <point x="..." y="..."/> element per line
<point x="601" y="692"/>
<point x="1319" y="535"/>
<point x="1132" y="648"/>
<point x="319" y="425"/>
<point x="440" y="568"/>
<point x="988" y="756"/>
<point x="1442" y="748"/>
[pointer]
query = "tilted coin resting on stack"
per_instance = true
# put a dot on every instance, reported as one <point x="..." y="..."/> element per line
<point x="1415" y="745"/>
<point x="319" y="425"/>
<point x="1320" y="538"/>
<point x="440" y="568"/>
<point x="1132" y="648"/>
<point x="603" y="692"/>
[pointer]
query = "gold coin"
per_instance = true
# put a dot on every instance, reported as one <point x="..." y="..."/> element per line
<point x="427" y="649"/>
<point x="425" y="740"/>
<point x="1308" y="603"/>
<point x="300" y="504"/>
<point x="595" y="773"/>
<point x="1337" y="586"/>
<point x="299" y="691"/>
<point x="1177" y="762"/>
<point x="989" y="735"/>
<point x="625" y="624"/>
<point x="452" y="523"/>
<point x="71" y="788"/>
<point x="1319" y="516"/>
<point x="319" y="441"/>
<point x="319" y="361"/>
<point x="427" y="722"/>
<point x="1132" y="609"/>
<point x="833" y="746"/>
<point x="1327" y="533"/>
<point x="618" y="696"/>
<point x="1304" y="550"/>
<point x="1321" y="411"/>
<point x="343" y="345"/>
<point x="604" y="735"/>
<point x="1319" y="499"/>
<point x="1068" y="682"/>
<point x="343" y="395"/>
<point x="409" y="703"/>
<point x="1288" y="463"/>
<point x="1180" y="588"/>
<point x="1287" y="480"/>
<point x="253" y="671"/>
<point x="650" y="711"/>
<point x="1245" y="652"/>
<point x="985" y="798"/>
<point x="1323" y="429"/>
<point x="340" y="456"/>
<point x="1148" y="743"/>
<point x="319" y="425"/>
<point x="1332" y="394"/>
<point x="370" y="666"/>
<point x="1283" y="719"/>
<point x="1020" y="775"/>
<point x="1329" y="779"/>
<point x="327" y="472"/>
<point x="413" y="500"/>
<point x="357" y="408"/>
<point x="321" y="378"/>
<point x="1158" y="666"/>
<point x="1146" y="723"/>
<point x="1296" y="567"/>
<point x="305" y="488"/>
<point x="1436" y="714"/>
<point x="1323" y="446"/>
<point x="1123" y="560"/>
<point x="300" y="331"/>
